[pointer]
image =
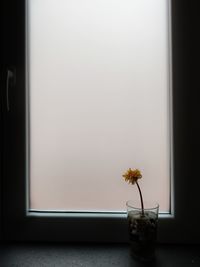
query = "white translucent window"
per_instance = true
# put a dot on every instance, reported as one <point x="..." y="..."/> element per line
<point x="99" y="102"/>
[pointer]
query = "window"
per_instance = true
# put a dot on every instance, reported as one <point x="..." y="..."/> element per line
<point x="20" y="225"/>
<point x="99" y="100"/>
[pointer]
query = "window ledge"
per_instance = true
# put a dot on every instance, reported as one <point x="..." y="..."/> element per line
<point x="90" y="255"/>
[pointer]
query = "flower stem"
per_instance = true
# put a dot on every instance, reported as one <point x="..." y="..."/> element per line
<point x="142" y="204"/>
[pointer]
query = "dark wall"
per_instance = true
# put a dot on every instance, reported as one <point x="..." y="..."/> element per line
<point x="12" y="58"/>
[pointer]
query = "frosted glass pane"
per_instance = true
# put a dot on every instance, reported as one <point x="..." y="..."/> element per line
<point x="98" y="86"/>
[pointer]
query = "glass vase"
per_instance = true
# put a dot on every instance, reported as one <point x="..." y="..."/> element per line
<point x="142" y="229"/>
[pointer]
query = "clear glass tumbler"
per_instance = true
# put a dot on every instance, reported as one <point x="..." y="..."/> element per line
<point x="142" y="229"/>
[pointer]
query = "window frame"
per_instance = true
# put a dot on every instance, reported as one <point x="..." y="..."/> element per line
<point x="16" y="223"/>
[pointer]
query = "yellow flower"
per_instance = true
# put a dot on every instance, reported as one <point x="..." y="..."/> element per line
<point x="132" y="176"/>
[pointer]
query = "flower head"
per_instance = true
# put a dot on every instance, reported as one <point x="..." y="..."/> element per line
<point x="132" y="176"/>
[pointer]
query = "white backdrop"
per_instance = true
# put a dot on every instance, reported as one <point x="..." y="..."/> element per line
<point x="99" y="102"/>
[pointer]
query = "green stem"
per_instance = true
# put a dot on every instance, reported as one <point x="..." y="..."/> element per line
<point x="142" y="204"/>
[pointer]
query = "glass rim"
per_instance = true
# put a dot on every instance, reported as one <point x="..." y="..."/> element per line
<point x="130" y="205"/>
